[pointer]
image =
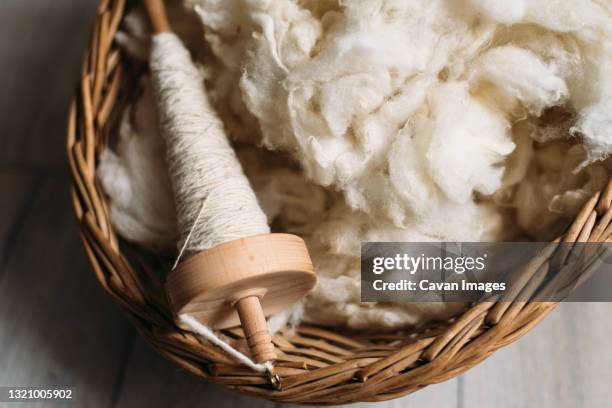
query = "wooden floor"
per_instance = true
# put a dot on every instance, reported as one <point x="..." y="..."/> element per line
<point x="58" y="328"/>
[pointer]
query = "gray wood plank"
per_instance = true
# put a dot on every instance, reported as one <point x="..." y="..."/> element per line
<point x="564" y="362"/>
<point x="152" y="382"/>
<point x="17" y="190"/>
<point x="57" y="327"/>
<point x="443" y="395"/>
<point x="41" y="43"/>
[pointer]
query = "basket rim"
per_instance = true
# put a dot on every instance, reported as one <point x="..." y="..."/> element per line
<point x="317" y="365"/>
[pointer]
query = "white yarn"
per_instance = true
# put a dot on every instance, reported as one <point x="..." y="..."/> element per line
<point x="209" y="335"/>
<point x="201" y="162"/>
<point x="213" y="198"/>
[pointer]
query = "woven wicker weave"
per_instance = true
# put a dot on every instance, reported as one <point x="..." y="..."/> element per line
<point x="316" y="365"/>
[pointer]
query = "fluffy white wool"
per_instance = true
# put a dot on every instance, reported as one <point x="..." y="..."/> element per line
<point x="401" y="120"/>
<point x="136" y="179"/>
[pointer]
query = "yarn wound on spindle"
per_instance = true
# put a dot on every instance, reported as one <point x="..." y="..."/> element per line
<point x="215" y="202"/>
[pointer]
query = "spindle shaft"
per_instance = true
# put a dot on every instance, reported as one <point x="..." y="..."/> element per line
<point x="255" y="329"/>
<point x="157" y="15"/>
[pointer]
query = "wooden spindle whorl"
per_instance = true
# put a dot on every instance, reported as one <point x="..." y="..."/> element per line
<point x="242" y="282"/>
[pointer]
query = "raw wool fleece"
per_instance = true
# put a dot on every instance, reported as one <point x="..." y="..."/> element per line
<point x="408" y="120"/>
<point x="136" y="179"/>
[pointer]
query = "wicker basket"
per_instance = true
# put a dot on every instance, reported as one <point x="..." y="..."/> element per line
<point x="316" y="365"/>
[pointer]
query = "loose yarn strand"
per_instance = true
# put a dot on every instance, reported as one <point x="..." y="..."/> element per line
<point x="209" y="335"/>
<point x="184" y="246"/>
